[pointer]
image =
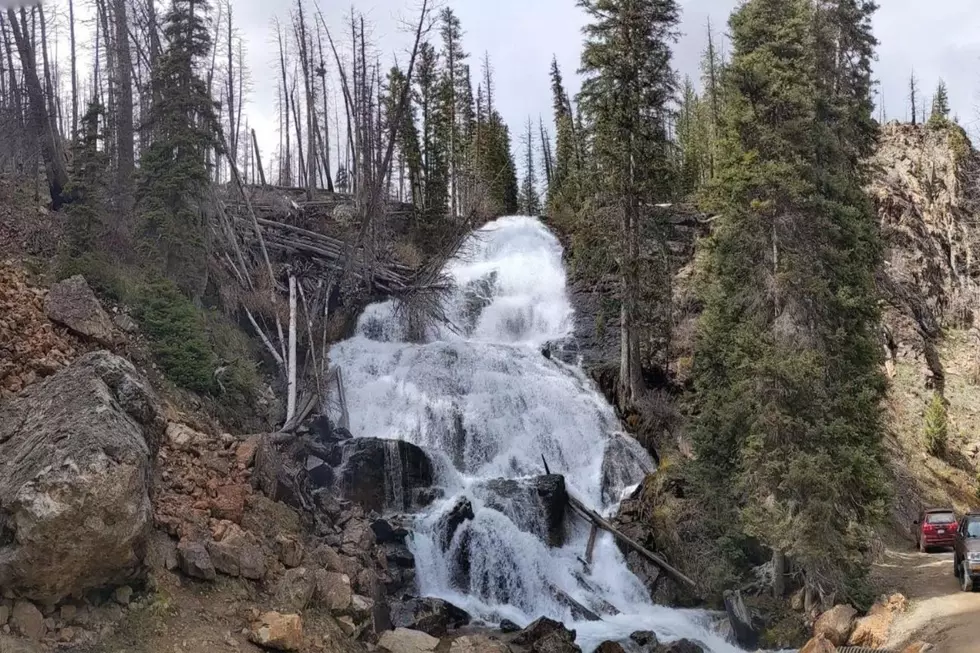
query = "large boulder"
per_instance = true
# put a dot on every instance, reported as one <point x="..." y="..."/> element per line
<point x="430" y="615"/>
<point x="73" y="304"/>
<point x="536" y="505"/>
<point x="624" y="463"/>
<point x="404" y="640"/>
<point x="282" y="632"/>
<point x="873" y="629"/>
<point x="74" y="503"/>
<point x="546" y="635"/>
<point x="382" y="475"/>
<point x="836" y="624"/>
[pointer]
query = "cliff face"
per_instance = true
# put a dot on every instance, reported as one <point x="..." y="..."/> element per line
<point x="925" y="189"/>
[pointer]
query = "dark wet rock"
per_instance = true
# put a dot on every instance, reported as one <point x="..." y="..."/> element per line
<point x="320" y="473"/>
<point x="382" y="474"/>
<point x="508" y="626"/>
<point x="399" y="555"/>
<point x="452" y="520"/>
<point x="646" y="639"/>
<point x="385" y="533"/>
<point x="681" y="646"/>
<point x="541" y="628"/>
<point x="536" y="505"/>
<point x="624" y="463"/>
<point x="429" y="615"/>
<point x="610" y="647"/>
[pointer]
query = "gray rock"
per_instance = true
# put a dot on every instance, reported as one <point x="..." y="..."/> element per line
<point x="403" y="640"/>
<point x="73" y="304"/>
<point x="161" y="551"/>
<point x="333" y="590"/>
<point x="290" y="551"/>
<point x="27" y="620"/>
<point x="194" y="560"/>
<point x="536" y="505"/>
<point x="125" y="323"/>
<point x="81" y="440"/>
<point x="4" y="614"/>
<point x="123" y="595"/>
<point x="295" y="589"/>
<point x="365" y="475"/>
<point x="238" y="554"/>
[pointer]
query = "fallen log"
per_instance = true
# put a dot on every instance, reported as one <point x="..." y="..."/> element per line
<point x="592" y="516"/>
<point x="579" y="611"/>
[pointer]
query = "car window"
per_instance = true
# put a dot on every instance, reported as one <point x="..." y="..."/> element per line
<point x="940" y="518"/>
<point x="973" y="529"/>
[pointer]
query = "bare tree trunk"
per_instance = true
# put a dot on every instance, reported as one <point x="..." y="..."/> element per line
<point x="326" y="114"/>
<point x="291" y="366"/>
<point x="14" y="86"/>
<point x="630" y="377"/>
<point x="74" y="70"/>
<point x="305" y="63"/>
<point x="125" y="136"/>
<point x="48" y="86"/>
<point x="299" y="134"/>
<point x="258" y="158"/>
<point x="284" y="109"/>
<point x="51" y="150"/>
<point x="232" y="131"/>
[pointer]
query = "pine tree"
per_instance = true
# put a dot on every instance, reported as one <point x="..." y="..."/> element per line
<point x="86" y="228"/>
<point x="530" y="203"/>
<point x="561" y="188"/>
<point x="174" y="170"/>
<point x="940" y="107"/>
<point x="694" y="140"/>
<point x="408" y="135"/>
<point x="712" y="68"/>
<point x="787" y="363"/>
<point x="456" y="100"/>
<point x="626" y="93"/>
<point x="493" y="162"/>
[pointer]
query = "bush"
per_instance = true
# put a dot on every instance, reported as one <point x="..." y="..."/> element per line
<point x="102" y="275"/>
<point x="178" y="337"/>
<point x="937" y="427"/>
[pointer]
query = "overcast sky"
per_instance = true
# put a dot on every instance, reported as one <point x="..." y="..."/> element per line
<point x="938" y="38"/>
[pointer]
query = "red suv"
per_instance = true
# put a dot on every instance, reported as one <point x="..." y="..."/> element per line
<point x="935" y="528"/>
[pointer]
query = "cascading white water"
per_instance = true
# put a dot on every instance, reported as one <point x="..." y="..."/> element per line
<point x="485" y="404"/>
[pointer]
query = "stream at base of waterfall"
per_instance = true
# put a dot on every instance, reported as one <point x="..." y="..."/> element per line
<point x="486" y="405"/>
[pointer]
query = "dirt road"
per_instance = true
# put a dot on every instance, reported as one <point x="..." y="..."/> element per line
<point x="939" y="612"/>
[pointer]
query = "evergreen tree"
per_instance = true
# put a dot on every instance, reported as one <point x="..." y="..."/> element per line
<point x="493" y="162"/>
<point x="694" y="140"/>
<point x="86" y="228"/>
<point x="626" y="92"/>
<point x="529" y="202"/>
<point x="408" y="135"/>
<point x="565" y="148"/>
<point x="174" y="169"/>
<point x="787" y="363"/>
<point x="712" y="67"/>
<point x="456" y="100"/>
<point x="940" y="107"/>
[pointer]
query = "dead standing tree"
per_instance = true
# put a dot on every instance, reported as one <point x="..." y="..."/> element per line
<point x="309" y="290"/>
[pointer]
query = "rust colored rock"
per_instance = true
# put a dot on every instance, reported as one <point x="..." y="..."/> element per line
<point x="229" y="503"/>
<point x="819" y="644"/>
<point x="282" y="632"/>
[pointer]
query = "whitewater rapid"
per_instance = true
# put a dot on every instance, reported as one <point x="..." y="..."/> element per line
<point x="485" y="403"/>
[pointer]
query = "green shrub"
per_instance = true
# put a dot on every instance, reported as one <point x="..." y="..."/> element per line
<point x="103" y="276"/>
<point x="937" y="427"/>
<point x="177" y="335"/>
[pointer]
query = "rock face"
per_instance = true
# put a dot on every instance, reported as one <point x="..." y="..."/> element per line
<point x="819" y="644"/>
<point x="27" y="620"/>
<point x="282" y="632"/>
<point x="382" y="474"/>
<point x="73" y="304"/>
<point x="73" y="488"/>
<point x="926" y="203"/>
<point x="836" y="624"/>
<point x="433" y="616"/>
<point x="624" y="463"/>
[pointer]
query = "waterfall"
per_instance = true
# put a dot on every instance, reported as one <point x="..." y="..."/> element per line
<point x="487" y="405"/>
